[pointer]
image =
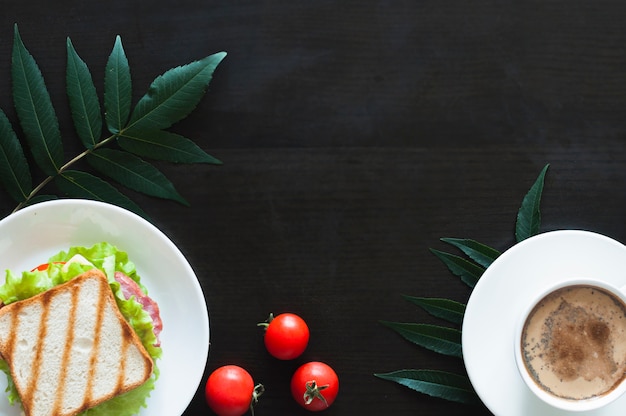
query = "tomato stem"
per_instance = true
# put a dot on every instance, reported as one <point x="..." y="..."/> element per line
<point x="267" y="322"/>
<point x="259" y="389"/>
<point x="313" y="391"/>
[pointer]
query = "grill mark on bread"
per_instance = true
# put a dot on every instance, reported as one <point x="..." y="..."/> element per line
<point x="66" y="351"/>
<point x="43" y="330"/>
<point x="122" y="374"/>
<point x="105" y="304"/>
<point x="12" y="336"/>
<point x="96" y="346"/>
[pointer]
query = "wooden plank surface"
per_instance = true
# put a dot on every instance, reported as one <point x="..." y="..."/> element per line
<point x="354" y="135"/>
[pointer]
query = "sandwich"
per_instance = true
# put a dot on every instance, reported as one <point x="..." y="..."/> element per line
<point x="79" y="335"/>
<point x="69" y="348"/>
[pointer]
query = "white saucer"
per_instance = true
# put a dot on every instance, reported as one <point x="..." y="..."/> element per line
<point x="505" y="289"/>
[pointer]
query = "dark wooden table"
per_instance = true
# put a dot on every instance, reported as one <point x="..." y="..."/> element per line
<point x="355" y="134"/>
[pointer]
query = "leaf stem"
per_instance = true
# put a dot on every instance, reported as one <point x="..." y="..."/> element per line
<point x="62" y="169"/>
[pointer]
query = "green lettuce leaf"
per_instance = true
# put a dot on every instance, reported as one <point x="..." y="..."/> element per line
<point x="109" y="259"/>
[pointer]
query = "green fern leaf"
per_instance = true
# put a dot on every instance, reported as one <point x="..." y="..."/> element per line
<point x="468" y="271"/>
<point x="173" y="95"/>
<point x="117" y="89"/>
<point x="14" y="172"/>
<point x="139" y="131"/>
<point x="480" y="253"/>
<point x="446" y="309"/>
<point x="529" y="216"/>
<point x="34" y="109"/>
<point x="134" y="173"/>
<point x="77" y="184"/>
<point x="441" y="384"/>
<point x="164" y="145"/>
<point x="83" y="99"/>
<point x="440" y="339"/>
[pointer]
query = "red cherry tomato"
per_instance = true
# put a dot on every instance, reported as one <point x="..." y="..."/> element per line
<point x="45" y="266"/>
<point x="286" y="336"/>
<point x="230" y="391"/>
<point x="314" y="386"/>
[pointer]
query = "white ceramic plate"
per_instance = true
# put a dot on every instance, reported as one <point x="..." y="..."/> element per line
<point x="502" y="293"/>
<point x="33" y="234"/>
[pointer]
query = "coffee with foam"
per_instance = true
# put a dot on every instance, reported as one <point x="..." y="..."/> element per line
<point x="574" y="342"/>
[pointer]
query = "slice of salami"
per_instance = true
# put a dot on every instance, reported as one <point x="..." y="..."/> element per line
<point x="131" y="288"/>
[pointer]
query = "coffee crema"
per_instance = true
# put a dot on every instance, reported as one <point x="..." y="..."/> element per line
<point x="574" y="342"/>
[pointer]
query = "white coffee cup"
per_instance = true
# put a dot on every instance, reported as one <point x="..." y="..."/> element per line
<point x="570" y="348"/>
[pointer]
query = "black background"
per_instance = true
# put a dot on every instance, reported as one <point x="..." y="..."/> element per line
<point x="355" y="134"/>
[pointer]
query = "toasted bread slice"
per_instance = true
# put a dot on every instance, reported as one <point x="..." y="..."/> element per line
<point x="70" y="348"/>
